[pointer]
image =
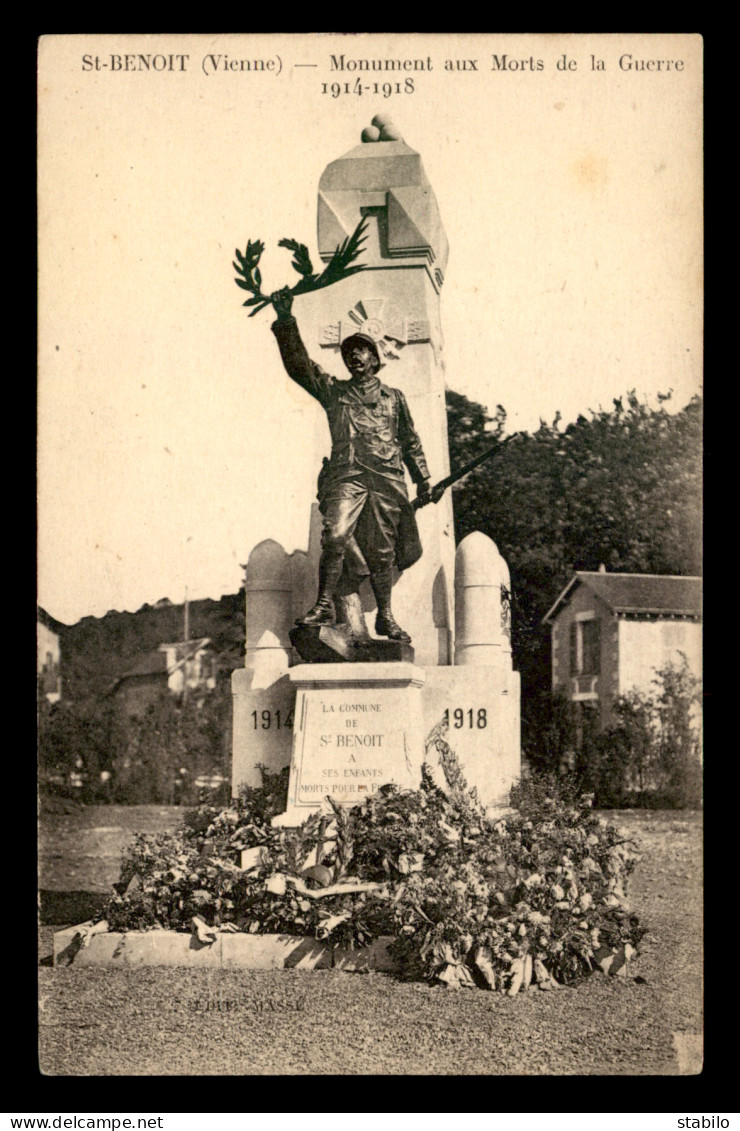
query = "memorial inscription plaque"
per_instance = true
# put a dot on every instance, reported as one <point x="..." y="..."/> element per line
<point x="352" y="737"/>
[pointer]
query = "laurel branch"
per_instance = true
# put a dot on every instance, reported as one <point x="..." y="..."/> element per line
<point x="341" y="265"/>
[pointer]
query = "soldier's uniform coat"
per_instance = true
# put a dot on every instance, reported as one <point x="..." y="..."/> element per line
<point x="362" y="491"/>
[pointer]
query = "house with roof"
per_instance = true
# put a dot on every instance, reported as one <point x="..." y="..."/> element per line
<point x="178" y="667"/>
<point x="48" y="655"/>
<point x="611" y="633"/>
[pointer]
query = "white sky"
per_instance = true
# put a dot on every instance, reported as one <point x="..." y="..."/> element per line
<point x="169" y="442"/>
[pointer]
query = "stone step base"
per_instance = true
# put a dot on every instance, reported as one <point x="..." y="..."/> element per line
<point x="252" y="952"/>
<point x="329" y="644"/>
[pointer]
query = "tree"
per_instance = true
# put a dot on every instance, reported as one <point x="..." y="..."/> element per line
<point x="652" y="752"/>
<point x="171" y="745"/>
<point x="634" y="723"/>
<point x="620" y="487"/>
<point x="470" y="429"/>
<point x="677" y="707"/>
<point x="81" y="738"/>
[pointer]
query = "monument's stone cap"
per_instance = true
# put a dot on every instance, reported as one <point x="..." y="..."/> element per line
<point x="389" y="176"/>
<point x="268" y="567"/>
<point x="478" y="561"/>
<point x="375" y="167"/>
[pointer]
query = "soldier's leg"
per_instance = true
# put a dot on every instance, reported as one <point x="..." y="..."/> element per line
<point x="380" y="526"/>
<point x="341" y="511"/>
<point x="385" y="622"/>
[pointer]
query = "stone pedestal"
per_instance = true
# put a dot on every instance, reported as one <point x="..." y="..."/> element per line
<point x="357" y="727"/>
<point x="277" y="590"/>
<point x="479" y="697"/>
<point x="334" y="644"/>
<point x="262" y="728"/>
<point x="481" y="708"/>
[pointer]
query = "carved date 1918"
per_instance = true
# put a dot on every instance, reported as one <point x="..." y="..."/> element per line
<point x="470" y="718"/>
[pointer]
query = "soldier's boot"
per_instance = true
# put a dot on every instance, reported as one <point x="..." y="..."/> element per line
<point x="330" y="570"/>
<point x="385" y="624"/>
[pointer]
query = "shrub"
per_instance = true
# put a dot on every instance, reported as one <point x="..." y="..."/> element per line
<point x="677" y="706"/>
<point x="650" y="756"/>
<point x="653" y="750"/>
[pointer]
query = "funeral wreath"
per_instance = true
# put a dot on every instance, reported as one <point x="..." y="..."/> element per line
<point x="534" y="898"/>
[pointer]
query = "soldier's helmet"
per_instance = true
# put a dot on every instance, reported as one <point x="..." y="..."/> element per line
<point x="360" y="339"/>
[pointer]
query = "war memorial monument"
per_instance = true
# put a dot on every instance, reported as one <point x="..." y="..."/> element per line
<point x="381" y="636"/>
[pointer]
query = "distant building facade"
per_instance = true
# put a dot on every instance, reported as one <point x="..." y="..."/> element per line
<point x="48" y="656"/>
<point x="178" y="667"/>
<point x="611" y="633"/>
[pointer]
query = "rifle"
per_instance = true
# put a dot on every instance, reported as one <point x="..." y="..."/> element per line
<point x="439" y="488"/>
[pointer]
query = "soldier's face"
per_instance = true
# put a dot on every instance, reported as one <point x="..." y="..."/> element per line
<point x="361" y="361"/>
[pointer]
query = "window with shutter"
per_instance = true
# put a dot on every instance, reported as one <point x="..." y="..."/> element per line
<point x="591" y="647"/>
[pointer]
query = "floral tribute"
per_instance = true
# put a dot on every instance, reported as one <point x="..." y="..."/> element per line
<point x="534" y="898"/>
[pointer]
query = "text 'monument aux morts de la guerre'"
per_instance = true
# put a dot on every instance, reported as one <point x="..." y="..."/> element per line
<point x="217" y="63"/>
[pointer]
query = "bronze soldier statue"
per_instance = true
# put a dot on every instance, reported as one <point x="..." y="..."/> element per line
<point x="368" y="523"/>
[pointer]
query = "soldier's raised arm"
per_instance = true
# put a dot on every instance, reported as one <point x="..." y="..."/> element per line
<point x="298" y="364"/>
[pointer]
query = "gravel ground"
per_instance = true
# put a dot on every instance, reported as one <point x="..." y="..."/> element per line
<point x="176" y="1021"/>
